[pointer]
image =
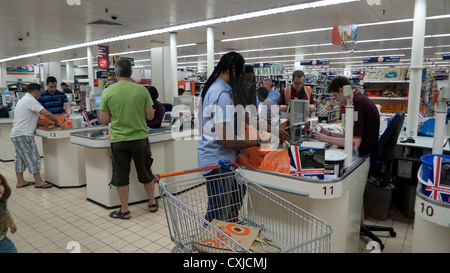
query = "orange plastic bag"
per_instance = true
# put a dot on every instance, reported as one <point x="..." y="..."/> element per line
<point x="60" y="117"/>
<point x="276" y="161"/>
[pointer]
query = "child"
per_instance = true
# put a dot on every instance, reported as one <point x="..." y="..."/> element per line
<point x="322" y="109"/>
<point x="264" y="107"/>
<point x="6" y="221"/>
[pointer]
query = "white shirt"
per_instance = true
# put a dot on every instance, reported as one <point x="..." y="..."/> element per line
<point x="26" y="115"/>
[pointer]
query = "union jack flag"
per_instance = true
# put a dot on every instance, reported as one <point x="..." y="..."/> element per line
<point x="433" y="187"/>
<point x="296" y="164"/>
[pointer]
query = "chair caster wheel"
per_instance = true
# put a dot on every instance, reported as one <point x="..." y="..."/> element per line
<point x="392" y="233"/>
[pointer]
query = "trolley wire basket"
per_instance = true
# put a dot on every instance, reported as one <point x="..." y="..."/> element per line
<point x="191" y="205"/>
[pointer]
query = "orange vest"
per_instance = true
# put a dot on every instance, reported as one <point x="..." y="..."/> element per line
<point x="288" y="98"/>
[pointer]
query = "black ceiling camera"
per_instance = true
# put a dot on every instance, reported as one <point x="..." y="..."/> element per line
<point x="114" y="17"/>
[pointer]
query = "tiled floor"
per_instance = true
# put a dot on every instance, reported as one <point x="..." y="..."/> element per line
<point x="48" y="220"/>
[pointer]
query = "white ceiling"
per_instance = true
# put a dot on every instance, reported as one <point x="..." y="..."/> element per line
<point x="47" y="24"/>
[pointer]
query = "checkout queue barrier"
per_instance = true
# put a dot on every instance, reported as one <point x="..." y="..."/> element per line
<point x="338" y="201"/>
<point x="7" y="147"/>
<point x="63" y="162"/>
<point x="170" y="153"/>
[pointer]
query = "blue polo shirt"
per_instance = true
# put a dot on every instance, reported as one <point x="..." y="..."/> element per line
<point x="53" y="103"/>
<point x="214" y="111"/>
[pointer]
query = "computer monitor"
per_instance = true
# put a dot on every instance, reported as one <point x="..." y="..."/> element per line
<point x="298" y="112"/>
<point x="20" y="95"/>
<point x="184" y="104"/>
<point x="97" y="102"/>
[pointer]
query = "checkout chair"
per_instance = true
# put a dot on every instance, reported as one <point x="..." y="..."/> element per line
<point x="381" y="169"/>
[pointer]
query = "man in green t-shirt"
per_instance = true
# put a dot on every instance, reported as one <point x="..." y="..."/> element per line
<point x="127" y="106"/>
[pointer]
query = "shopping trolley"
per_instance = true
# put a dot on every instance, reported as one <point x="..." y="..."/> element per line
<point x="191" y="203"/>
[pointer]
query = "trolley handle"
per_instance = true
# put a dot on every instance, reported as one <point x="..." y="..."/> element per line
<point x="224" y="164"/>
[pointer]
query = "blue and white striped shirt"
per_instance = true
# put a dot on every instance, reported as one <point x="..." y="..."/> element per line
<point x="53" y="103"/>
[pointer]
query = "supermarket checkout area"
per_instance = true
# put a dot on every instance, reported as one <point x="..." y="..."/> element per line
<point x="428" y="204"/>
<point x="171" y="151"/>
<point x="338" y="201"/>
<point x="7" y="147"/>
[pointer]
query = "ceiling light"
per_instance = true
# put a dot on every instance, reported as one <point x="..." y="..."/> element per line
<point x="176" y="28"/>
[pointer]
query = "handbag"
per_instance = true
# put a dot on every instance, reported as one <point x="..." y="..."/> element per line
<point x="248" y="238"/>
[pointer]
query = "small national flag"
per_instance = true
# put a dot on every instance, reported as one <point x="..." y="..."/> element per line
<point x="295" y="153"/>
<point x="434" y="187"/>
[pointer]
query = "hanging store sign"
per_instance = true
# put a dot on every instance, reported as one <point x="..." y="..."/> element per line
<point x="446" y="56"/>
<point x="118" y="57"/>
<point x="381" y="59"/>
<point x="20" y="70"/>
<point x="315" y="62"/>
<point x="103" y="56"/>
<point x="344" y="36"/>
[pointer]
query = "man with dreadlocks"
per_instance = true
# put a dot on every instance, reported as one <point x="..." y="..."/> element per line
<point x="222" y="92"/>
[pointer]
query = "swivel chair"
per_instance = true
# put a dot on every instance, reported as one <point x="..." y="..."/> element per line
<point x="167" y="107"/>
<point x="382" y="168"/>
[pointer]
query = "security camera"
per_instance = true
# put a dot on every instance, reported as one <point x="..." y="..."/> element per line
<point x="114" y="17"/>
<point x="20" y="39"/>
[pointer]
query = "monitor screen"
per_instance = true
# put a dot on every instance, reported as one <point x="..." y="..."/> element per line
<point x="97" y="102"/>
<point x="184" y="103"/>
<point x="20" y="95"/>
<point x="299" y="111"/>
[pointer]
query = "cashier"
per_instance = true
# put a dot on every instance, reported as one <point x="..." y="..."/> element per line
<point x="158" y="107"/>
<point x="365" y="130"/>
<point x="297" y="90"/>
<point x="53" y="100"/>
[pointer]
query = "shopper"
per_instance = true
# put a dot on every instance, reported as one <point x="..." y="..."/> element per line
<point x="6" y="221"/>
<point x="223" y="88"/>
<point x="273" y="95"/>
<point x="158" y="107"/>
<point x="127" y="106"/>
<point x="54" y="100"/>
<point x="296" y="91"/>
<point x="365" y="130"/>
<point x="265" y="105"/>
<point x="65" y="88"/>
<point x="249" y="86"/>
<point x="77" y="96"/>
<point x="322" y="109"/>
<point x="26" y="118"/>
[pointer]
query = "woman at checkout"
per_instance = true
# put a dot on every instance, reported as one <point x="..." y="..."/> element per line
<point x="158" y="107"/>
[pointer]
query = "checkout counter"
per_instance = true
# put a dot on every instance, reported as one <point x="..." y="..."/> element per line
<point x="337" y="201"/>
<point x="170" y="152"/>
<point x="63" y="162"/>
<point x="7" y="147"/>
<point x="431" y="217"/>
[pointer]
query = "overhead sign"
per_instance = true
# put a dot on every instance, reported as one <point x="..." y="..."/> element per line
<point x="381" y="59"/>
<point x="446" y="56"/>
<point x="103" y="56"/>
<point x="118" y="57"/>
<point x="344" y="36"/>
<point x="315" y="62"/>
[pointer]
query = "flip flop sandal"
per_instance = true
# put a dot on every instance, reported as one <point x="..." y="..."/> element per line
<point x="45" y="186"/>
<point x="120" y="215"/>
<point x="156" y="206"/>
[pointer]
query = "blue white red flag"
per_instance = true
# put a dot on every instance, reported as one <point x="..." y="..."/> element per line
<point x="433" y="187"/>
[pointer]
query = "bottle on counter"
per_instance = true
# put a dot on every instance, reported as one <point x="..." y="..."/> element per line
<point x="355" y="152"/>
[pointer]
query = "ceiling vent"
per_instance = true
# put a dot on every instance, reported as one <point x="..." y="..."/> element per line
<point x="104" y="22"/>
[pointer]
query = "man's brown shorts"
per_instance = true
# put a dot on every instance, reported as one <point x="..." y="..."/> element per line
<point x="121" y="155"/>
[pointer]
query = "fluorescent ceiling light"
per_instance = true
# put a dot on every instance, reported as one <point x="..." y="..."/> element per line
<point x="443" y="16"/>
<point x="209" y="22"/>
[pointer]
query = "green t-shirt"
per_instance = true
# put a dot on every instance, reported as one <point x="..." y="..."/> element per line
<point x="126" y="102"/>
